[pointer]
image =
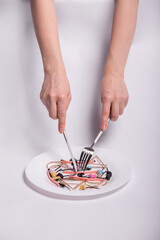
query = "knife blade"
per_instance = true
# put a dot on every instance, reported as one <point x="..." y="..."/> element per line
<point x="70" y="151"/>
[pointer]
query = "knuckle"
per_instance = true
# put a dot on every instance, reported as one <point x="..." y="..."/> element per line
<point x="105" y="114"/>
<point x="61" y="97"/>
<point x="51" y="96"/>
<point x="117" y="97"/>
<point x="44" y="97"/>
<point x="52" y="115"/>
<point x="107" y="97"/>
<point x="61" y="115"/>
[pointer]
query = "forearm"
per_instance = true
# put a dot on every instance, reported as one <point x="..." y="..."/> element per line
<point x="45" y="24"/>
<point x="123" y="28"/>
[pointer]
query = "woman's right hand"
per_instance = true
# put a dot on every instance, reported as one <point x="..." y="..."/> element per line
<point x="56" y="95"/>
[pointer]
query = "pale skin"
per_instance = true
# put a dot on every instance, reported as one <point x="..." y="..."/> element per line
<point x="55" y="93"/>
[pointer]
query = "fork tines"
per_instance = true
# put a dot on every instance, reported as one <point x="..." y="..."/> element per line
<point x="86" y="155"/>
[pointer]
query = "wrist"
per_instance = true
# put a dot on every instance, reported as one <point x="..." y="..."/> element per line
<point x="53" y="65"/>
<point x="114" y="66"/>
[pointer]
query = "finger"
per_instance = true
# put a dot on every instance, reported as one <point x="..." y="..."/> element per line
<point x="44" y="100"/>
<point x="61" y="116"/>
<point x="46" y="103"/>
<point x="125" y="102"/>
<point x="114" y="111"/>
<point x="121" y="108"/>
<point x="53" y="109"/>
<point x="105" y="115"/>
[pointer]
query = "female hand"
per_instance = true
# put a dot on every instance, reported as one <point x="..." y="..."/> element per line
<point x="114" y="97"/>
<point x="56" y="96"/>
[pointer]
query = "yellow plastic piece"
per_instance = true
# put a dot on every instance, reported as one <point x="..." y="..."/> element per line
<point x="53" y="174"/>
<point x="57" y="177"/>
<point x="83" y="187"/>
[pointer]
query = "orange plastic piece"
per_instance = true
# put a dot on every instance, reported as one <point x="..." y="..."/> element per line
<point x="90" y="162"/>
<point x="66" y="161"/>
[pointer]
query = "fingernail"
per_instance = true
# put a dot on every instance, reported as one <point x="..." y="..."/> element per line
<point x="61" y="130"/>
<point x="104" y="127"/>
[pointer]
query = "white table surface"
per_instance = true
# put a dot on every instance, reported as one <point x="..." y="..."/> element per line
<point x="133" y="213"/>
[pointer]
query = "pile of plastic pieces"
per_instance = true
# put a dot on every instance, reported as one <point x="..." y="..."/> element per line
<point x="61" y="173"/>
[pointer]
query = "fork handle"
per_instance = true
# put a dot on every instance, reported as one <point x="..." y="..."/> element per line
<point x="98" y="136"/>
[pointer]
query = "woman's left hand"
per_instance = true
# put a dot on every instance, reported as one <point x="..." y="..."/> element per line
<point x="114" y="97"/>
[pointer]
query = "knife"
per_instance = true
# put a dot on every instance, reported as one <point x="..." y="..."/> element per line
<point x="69" y="148"/>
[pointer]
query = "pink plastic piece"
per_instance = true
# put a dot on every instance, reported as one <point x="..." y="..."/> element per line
<point x="91" y="175"/>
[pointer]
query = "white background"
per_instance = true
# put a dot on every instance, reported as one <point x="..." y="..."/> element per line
<point x="132" y="213"/>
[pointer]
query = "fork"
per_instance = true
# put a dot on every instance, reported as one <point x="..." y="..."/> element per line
<point x="87" y="152"/>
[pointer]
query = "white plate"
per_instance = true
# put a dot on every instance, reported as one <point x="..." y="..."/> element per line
<point x="36" y="177"/>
